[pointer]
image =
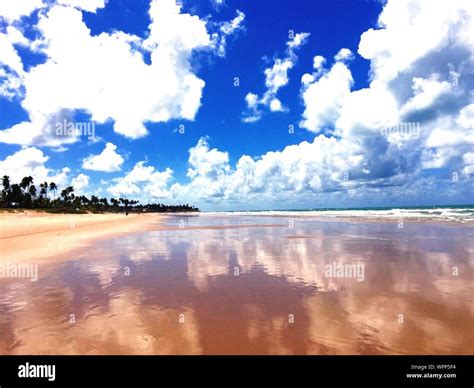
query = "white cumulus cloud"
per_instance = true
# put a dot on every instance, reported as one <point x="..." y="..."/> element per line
<point x="227" y="29"/>
<point x="31" y="162"/>
<point x="86" y="5"/>
<point x="13" y="10"/>
<point x="142" y="182"/>
<point x="276" y="77"/>
<point x="80" y="182"/>
<point x="108" y="160"/>
<point x="107" y="75"/>
<point x="323" y="97"/>
<point x="375" y="142"/>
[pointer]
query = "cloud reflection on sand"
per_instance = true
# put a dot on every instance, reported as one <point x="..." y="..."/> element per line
<point x="189" y="274"/>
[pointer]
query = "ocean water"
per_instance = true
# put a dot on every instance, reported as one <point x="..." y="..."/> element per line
<point x="460" y="213"/>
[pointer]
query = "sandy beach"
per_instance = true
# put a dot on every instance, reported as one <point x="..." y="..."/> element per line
<point x="235" y="284"/>
<point x="29" y="235"/>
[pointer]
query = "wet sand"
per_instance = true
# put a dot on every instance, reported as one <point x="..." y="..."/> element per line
<point x="249" y="285"/>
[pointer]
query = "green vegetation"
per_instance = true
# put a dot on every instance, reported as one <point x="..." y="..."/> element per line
<point x="25" y="195"/>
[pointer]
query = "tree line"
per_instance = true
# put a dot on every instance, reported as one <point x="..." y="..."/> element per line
<point x="26" y="195"/>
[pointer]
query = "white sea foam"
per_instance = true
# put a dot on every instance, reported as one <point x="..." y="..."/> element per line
<point x="441" y="214"/>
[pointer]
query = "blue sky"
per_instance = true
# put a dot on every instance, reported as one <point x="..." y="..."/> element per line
<point x="388" y="121"/>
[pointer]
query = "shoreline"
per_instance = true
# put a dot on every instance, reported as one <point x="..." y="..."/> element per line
<point x="349" y="219"/>
<point x="31" y="235"/>
<point x="357" y="216"/>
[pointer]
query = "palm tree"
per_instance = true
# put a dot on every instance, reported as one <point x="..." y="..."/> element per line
<point x="84" y="200"/>
<point x="26" y="182"/>
<point x="70" y="191"/>
<point x="53" y="188"/>
<point x="68" y="194"/>
<point x="16" y="193"/>
<point x="32" y="191"/>
<point x="44" y="189"/>
<point x="6" y="187"/>
<point x="6" y="182"/>
<point x="6" y="191"/>
<point x="64" y="195"/>
<point x="115" y="203"/>
<point x="25" y="194"/>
